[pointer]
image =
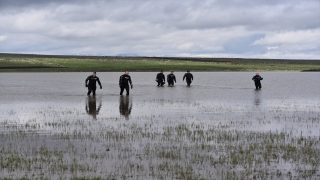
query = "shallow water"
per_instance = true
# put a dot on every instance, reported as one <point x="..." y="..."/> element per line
<point x="50" y="128"/>
<point x="212" y="98"/>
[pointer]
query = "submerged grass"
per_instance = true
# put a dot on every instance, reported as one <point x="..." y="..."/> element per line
<point x="100" y="150"/>
<point x="47" y="63"/>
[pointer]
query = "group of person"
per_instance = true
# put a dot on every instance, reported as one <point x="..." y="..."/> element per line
<point x="125" y="81"/>
<point x="171" y="78"/>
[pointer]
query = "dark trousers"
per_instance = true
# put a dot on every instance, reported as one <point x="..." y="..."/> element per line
<point x="170" y="83"/>
<point x="124" y="87"/>
<point x="93" y="89"/>
<point x="188" y="83"/>
<point x="160" y="83"/>
<point x="258" y="84"/>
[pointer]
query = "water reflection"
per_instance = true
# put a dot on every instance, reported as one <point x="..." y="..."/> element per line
<point x="257" y="99"/>
<point x="91" y="106"/>
<point x="125" y="106"/>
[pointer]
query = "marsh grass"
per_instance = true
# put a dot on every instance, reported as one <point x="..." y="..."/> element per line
<point x="112" y="149"/>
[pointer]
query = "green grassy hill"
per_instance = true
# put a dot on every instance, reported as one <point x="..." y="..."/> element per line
<point x="61" y="63"/>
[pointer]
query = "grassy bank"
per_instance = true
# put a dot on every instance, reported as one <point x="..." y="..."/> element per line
<point x="55" y="63"/>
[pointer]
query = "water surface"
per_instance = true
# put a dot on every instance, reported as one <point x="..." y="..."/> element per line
<point x="219" y="127"/>
<point x="213" y="97"/>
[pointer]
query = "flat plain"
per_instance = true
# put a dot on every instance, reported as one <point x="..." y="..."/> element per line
<point x="56" y="63"/>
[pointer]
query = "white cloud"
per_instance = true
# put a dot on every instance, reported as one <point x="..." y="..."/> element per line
<point x="154" y="28"/>
<point x="2" y="38"/>
<point x="297" y="44"/>
<point x="292" y="37"/>
<point x="274" y="47"/>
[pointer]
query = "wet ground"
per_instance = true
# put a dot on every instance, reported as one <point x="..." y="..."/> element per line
<point x="52" y="111"/>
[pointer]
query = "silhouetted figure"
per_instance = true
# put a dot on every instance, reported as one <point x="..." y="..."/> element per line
<point x="189" y="77"/>
<point x="161" y="79"/>
<point x="91" y="106"/>
<point x="124" y="82"/>
<point x="92" y="83"/>
<point x="125" y="106"/>
<point x="257" y="78"/>
<point x="171" y="78"/>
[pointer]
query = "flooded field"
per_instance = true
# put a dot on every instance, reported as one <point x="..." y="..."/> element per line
<point x="218" y="128"/>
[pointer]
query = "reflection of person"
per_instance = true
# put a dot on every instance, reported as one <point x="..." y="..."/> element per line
<point x="125" y="106"/>
<point x="257" y="100"/>
<point x="92" y="83"/>
<point x="257" y="78"/>
<point x="91" y="107"/>
<point x="170" y="78"/>
<point x="160" y="78"/>
<point x="189" y="77"/>
<point x="124" y="81"/>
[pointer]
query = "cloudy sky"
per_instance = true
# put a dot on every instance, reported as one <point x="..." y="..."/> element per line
<point x="202" y="28"/>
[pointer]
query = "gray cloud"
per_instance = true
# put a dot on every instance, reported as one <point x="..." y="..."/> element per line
<point x="155" y="28"/>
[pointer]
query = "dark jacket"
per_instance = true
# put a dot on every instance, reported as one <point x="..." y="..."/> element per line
<point x="125" y="80"/>
<point x="92" y="81"/>
<point x="171" y="78"/>
<point x="160" y="77"/>
<point x="188" y="76"/>
<point x="257" y="78"/>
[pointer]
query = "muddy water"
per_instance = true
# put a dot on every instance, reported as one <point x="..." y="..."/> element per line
<point x="286" y="100"/>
